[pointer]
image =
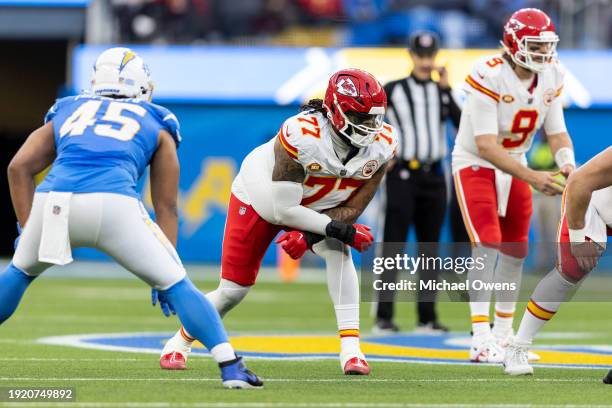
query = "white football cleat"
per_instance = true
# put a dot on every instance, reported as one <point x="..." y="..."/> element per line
<point x="516" y="360"/>
<point x="174" y="355"/>
<point x="508" y="339"/>
<point x="354" y="363"/>
<point x="486" y="350"/>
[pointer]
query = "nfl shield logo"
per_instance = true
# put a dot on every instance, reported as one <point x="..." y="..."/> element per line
<point x="57" y="209"/>
<point x="242" y="210"/>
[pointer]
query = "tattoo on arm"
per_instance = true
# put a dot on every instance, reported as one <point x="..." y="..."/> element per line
<point x="354" y="207"/>
<point x="285" y="168"/>
<point x="344" y="214"/>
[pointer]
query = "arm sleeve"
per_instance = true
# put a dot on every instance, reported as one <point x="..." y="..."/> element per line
<point x="483" y="116"/>
<point x="286" y="198"/>
<point x="554" y="123"/>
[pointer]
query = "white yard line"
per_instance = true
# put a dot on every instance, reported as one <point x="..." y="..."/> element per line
<point x="40" y="359"/>
<point x="286" y="404"/>
<point x="301" y="380"/>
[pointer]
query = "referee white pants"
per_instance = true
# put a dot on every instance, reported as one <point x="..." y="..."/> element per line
<point x="116" y="224"/>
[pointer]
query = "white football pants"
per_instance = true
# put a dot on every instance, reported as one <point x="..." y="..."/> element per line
<point x="116" y="224"/>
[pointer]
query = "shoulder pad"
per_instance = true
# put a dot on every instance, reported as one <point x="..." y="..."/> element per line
<point x="299" y="132"/>
<point x="484" y="77"/>
<point x="389" y="140"/>
<point x="168" y="121"/>
<point x="59" y="104"/>
<point x="558" y="70"/>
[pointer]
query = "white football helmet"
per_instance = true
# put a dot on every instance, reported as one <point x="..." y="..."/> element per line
<point x="121" y="72"/>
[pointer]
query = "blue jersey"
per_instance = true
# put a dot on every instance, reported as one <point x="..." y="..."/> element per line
<point x="103" y="145"/>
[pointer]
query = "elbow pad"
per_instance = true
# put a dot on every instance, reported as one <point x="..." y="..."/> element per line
<point x="286" y="199"/>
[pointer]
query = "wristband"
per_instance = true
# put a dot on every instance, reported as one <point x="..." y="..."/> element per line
<point x="577" y="235"/>
<point x="341" y="231"/>
<point x="565" y="156"/>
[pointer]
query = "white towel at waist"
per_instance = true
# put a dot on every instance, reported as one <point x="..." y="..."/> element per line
<point x="55" y="240"/>
<point x="503" y="183"/>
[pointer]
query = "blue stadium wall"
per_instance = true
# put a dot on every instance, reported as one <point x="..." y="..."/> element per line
<point x="217" y="138"/>
<point x="220" y="130"/>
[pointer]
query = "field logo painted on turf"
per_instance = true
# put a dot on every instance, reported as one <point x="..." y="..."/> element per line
<point x="412" y="348"/>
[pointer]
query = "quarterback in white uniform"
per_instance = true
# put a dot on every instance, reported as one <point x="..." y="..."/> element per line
<point x="313" y="180"/>
<point x="509" y="97"/>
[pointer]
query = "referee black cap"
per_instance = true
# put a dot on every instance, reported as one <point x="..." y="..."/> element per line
<point x="424" y="43"/>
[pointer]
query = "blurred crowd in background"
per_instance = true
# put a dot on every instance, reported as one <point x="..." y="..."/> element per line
<point x="460" y="23"/>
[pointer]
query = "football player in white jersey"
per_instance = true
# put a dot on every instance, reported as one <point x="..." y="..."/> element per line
<point x="313" y="180"/>
<point x="585" y="224"/>
<point x="509" y="97"/>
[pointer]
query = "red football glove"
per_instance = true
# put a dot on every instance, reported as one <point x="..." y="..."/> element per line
<point x="363" y="238"/>
<point x="293" y="243"/>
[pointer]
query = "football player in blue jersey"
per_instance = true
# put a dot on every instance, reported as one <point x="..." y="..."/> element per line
<point x="99" y="145"/>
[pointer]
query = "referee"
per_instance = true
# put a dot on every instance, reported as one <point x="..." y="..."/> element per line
<point x="418" y="108"/>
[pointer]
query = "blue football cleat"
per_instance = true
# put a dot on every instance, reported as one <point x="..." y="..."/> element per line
<point x="235" y="374"/>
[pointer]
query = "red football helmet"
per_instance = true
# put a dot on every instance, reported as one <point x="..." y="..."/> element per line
<point x="530" y="39"/>
<point x="355" y="103"/>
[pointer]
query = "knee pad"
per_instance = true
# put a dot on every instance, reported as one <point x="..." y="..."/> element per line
<point x="571" y="271"/>
<point x="331" y="248"/>
<point x="227" y="296"/>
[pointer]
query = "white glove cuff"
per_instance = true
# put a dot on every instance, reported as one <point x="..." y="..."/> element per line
<point x="565" y="156"/>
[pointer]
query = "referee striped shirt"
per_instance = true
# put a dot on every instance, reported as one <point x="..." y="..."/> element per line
<point x="419" y="110"/>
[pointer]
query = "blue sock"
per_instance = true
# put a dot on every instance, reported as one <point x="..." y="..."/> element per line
<point x="196" y="313"/>
<point x="13" y="283"/>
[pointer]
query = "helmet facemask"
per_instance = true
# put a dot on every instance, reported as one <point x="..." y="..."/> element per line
<point x="535" y="52"/>
<point x="361" y="128"/>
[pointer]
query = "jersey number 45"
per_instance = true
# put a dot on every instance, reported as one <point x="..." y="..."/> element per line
<point x="85" y="117"/>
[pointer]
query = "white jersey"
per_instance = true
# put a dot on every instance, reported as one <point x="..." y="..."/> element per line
<point x="307" y="139"/>
<point x="601" y="201"/>
<point x="598" y="216"/>
<point x="499" y="103"/>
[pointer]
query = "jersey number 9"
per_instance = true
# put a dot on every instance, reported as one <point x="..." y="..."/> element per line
<point x="523" y="124"/>
<point x="85" y="117"/>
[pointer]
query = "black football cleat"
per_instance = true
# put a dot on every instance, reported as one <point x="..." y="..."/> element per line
<point x="608" y="378"/>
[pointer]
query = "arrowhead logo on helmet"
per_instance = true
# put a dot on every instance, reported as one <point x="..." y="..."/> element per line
<point x="513" y="26"/>
<point x="355" y="103"/>
<point x="347" y="87"/>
